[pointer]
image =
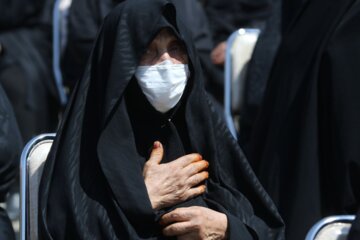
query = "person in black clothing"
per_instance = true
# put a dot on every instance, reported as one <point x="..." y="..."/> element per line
<point x="10" y="148"/>
<point x="26" y="73"/>
<point x="225" y="17"/>
<point x="25" y="65"/>
<point x="305" y="147"/>
<point x="130" y="151"/>
<point x="258" y="71"/>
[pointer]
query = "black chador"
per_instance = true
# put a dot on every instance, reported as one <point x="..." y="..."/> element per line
<point x="93" y="187"/>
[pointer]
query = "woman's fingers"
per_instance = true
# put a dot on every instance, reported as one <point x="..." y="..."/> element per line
<point x="157" y="153"/>
<point x="177" y="215"/>
<point x="184" y="161"/>
<point x="171" y="183"/>
<point x="195" y="223"/>
<point x="180" y="221"/>
<point x="193" y="192"/>
<point x="196" y="191"/>
<point x="196" y="167"/>
<point x="198" y="178"/>
<point x="178" y="229"/>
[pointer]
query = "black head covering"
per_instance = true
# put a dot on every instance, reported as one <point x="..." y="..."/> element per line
<point x="306" y="142"/>
<point x="93" y="186"/>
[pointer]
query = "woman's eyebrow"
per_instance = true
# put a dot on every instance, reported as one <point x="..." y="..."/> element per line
<point x="177" y="41"/>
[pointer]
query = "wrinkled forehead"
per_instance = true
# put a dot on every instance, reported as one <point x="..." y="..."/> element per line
<point x="164" y="34"/>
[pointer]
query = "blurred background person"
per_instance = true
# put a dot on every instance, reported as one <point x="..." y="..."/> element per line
<point x="10" y="148"/>
<point x="305" y="146"/>
<point x="282" y="14"/>
<point x="26" y="73"/>
<point x="224" y="18"/>
<point x="25" y="63"/>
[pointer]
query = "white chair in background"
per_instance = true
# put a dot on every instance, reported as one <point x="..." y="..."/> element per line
<point x="331" y="228"/>
<point x="60" y="30"/>
<point x="33" y="158"/>
<point x="240" y="47"/>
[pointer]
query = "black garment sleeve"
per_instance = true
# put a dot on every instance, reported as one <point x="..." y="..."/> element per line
<point x="6" y="230"/>
<point x="10" y="145"/>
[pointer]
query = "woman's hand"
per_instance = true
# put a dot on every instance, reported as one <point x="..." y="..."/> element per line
<point x="174" y="182"/>
<point x="195" y="223"/>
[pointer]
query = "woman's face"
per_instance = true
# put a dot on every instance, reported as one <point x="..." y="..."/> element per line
<point x="165" y="46"/>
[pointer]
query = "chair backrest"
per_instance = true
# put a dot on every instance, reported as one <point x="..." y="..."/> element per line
<point x="331" y="228"/>
<point x="32" y="162"/>
<point x="60" y="14"/>
<point x="240" y="47"/>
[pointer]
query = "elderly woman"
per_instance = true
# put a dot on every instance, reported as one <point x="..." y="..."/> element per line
<point x="141" y="153"/>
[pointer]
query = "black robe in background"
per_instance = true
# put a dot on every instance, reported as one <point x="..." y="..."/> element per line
<point x="25" y="64"/>
<point x="225" y="17"/>
<point x="10" y="149"/>
<point x="93" y="187"/>
<point x="283" y="13"/>
<point x="306" y="146"/>
<point x="258" y="72"/>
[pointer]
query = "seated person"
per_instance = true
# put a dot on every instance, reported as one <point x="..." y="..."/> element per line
<point x="25" y="65"/>
<point x="141" y="152"/>
<point x="10" y="148"/>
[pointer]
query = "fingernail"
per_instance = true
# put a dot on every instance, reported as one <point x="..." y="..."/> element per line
<point x="156" y="144"/>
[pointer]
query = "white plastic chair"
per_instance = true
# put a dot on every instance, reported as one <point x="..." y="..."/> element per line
<point x="240" y="47"/>
<point x="33" y="158"/>
<point x="331" y="228"/>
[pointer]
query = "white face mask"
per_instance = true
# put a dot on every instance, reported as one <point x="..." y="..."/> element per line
<point x="163" y="84"/>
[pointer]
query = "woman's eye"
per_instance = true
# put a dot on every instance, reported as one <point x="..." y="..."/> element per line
<point x="176" y="49"/>
<point x="150" y="54"/>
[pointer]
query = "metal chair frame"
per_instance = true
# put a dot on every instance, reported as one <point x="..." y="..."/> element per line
<point x="311" y="235"/>
<point x="56" y="46"/>
<point x="228" y="81"/>
<point x="24" y="182"/>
